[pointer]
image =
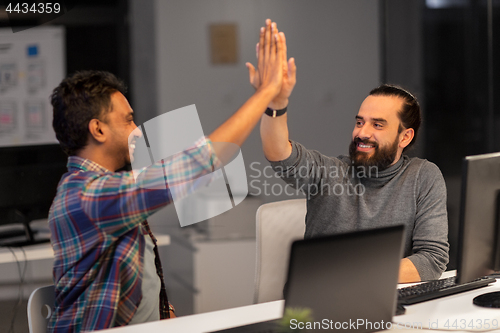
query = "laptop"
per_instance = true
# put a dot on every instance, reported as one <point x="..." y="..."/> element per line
<point x="345" y="281"/>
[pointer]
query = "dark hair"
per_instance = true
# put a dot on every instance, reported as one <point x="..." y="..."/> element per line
<point x="410" y="115"/>
<point x="78" y="99"/>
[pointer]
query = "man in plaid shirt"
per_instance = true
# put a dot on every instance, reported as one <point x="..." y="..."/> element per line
<point x="106" y="268"/>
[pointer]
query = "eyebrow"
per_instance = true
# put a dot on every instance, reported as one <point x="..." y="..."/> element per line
<point x="378" y="120"/>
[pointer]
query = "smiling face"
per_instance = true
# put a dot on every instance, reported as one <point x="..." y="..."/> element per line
<point x="120" y="123"/>
<point x="378" y="138"/>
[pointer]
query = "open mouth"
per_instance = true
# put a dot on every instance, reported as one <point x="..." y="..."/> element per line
<point x="365" y="146"/>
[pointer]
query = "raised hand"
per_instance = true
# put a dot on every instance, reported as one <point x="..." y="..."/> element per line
<point x="270" y="71"/>
<point x="289" y="74"/>
<point x="270" y="57"/>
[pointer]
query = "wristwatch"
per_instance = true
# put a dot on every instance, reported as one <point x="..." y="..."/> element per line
<point x="275" y="113"/>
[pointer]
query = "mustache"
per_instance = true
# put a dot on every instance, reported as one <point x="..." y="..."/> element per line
<point x="357" y="140"/>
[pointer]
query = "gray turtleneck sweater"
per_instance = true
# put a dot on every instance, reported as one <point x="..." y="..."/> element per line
<point x="341" y="199"/>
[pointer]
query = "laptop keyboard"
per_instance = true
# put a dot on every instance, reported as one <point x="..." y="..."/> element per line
<point x="439" y="288"/>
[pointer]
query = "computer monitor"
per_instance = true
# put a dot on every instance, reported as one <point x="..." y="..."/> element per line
<point x="28" y="181"/>
<point x="479" y="229"/>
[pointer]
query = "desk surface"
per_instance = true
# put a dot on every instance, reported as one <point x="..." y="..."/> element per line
<point x="437" y="314"/>
<point x="210" y="321"/>
<point x="455" y="312"/>
<point x="44" y="251"/>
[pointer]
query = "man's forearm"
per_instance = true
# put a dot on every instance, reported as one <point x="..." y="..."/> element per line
<point x="274" y="134"/>
<point x="408" y="272"/>
<point x="237" y="128"/>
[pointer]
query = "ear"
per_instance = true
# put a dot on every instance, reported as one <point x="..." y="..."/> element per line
<point x="96" y="130"/>
<point x="405" y="137"/>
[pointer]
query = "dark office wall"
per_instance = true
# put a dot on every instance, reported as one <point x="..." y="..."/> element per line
<point x="460" y="81"/>
<point x="460" y="75"/>
<point x="448" y="55"/>
<point x="144" y="87"/>
<point x="402" y="45"/>
<point x="97" y="38"/>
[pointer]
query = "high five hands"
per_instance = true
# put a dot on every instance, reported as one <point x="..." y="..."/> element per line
<point x="266" y="73"/>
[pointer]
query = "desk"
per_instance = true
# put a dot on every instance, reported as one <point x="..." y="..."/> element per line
<point x="444" y="311"/>
<point x="38" y="272"/>
<point x="44" y="251"/>
<point x="210" y="321"/>
<point x="455" y="307"/>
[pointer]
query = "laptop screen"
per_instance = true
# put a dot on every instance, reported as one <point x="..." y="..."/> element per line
<point x="346" y="281"/>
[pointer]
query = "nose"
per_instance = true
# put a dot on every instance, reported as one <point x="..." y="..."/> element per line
<point x="363" y="132"/>
<point x="135" y="134"/>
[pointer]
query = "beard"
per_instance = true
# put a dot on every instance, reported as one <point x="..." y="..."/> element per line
<point x="382" y="157"/>
<point x="120" y="153"/>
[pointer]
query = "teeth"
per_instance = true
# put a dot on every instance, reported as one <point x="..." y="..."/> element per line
<point x="132" y="146"/>
<point x="364" y="146"/>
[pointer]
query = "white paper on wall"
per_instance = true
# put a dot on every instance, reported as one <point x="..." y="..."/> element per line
<point x="32" y="64"/>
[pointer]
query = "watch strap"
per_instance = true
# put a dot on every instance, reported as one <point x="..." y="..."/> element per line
<point x="275" y="113"/>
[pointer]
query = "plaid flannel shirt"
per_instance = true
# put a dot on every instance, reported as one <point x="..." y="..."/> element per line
<point x="97" y="237"/>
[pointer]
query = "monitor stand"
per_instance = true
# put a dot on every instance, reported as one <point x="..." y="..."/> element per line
<point x="492" y="300"/>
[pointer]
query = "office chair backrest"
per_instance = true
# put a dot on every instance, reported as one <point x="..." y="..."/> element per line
<point x="40" y="308"/>
<point x="278" y="225"/>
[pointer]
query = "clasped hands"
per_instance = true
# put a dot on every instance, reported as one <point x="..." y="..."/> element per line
<point x="273" y="71"/>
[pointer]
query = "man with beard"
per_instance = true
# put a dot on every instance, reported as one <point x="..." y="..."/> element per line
<point x="375" y="186"/>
